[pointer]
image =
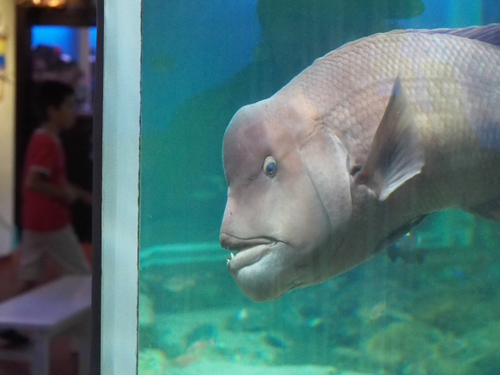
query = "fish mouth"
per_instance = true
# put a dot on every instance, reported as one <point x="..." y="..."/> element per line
<point x="245" y="251"/>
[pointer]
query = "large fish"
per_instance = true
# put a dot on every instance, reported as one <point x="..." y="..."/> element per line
<point x="356" y="150"/>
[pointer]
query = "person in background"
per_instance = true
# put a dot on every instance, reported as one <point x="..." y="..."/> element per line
<point x="47" y="195"/>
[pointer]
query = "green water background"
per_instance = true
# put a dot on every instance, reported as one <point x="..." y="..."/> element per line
<point x="201" y="61"/>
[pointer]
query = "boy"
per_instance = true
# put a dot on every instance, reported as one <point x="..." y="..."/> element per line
<point x="47" y="195"/>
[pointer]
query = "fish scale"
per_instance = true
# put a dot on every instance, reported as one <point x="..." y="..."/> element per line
<point x="439" y="72"/>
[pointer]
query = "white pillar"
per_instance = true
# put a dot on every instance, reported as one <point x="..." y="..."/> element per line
<point x="120" y="192"/>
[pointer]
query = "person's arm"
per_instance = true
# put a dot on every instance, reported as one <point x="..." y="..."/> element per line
<point x="82" y="194"/>
<point x="43" y="158"/>
<point x="39" y="182"/>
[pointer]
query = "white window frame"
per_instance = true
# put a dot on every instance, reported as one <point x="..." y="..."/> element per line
<point x="120" y="186"/>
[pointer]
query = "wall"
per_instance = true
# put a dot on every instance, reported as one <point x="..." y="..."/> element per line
<point x="7" y="126"/>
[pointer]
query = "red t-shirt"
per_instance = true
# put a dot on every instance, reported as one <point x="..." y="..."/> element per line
<point x="42" y="213"/>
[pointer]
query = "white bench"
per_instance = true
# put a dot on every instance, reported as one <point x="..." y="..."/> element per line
<point x="59" y="307"/>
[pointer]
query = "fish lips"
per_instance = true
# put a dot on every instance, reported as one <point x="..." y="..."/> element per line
<point x="258" y="268"/>
<point x="248" y="251"/>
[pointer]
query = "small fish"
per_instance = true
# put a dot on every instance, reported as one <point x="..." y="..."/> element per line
<point x="458" y="274"/>
<point x="406" y="249"/>
<point x="377" y="311"/>
<point x="242" y="314"/>
<point x="381" y="310"/>
<point x="193" y="353"/>
<point x="314" y="322"/>
<point x="176" y="284"/>
<point x="356" y="150"/>
<point x="275" y="341"/>
<point x="453" y="273"/>
<point x="205" y="332"/>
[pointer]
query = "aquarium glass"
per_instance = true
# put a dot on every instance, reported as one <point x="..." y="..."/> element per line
<point x="428" y="305"/>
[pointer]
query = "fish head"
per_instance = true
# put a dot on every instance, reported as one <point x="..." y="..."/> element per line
<point x="288" y="201"/>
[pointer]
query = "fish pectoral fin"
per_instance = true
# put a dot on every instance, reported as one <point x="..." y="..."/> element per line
<point x="397" y="152"/>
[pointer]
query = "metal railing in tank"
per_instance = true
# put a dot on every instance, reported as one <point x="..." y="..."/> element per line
<point x="181" y="253"/>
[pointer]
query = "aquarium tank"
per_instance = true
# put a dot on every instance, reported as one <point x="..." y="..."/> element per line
<point x="428" y="304"/>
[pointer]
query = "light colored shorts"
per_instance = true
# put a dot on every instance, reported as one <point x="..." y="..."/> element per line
<point x="62" y="246"/>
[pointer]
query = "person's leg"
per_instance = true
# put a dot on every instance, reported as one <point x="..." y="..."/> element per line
<point x="32" y="260"/>
<point x="63" y="246"/>
<point x="29" y="273"/>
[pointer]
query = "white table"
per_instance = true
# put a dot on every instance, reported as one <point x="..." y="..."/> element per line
<point x="59" y="307"/>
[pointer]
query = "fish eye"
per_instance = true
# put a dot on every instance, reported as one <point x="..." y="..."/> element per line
<point x="270" y="168"/>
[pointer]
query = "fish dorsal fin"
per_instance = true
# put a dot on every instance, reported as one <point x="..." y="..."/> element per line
<point x="488" y="34"/>
<point x="397" y="153"/>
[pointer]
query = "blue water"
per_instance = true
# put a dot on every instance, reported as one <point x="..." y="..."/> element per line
<point x="201" y="61"/>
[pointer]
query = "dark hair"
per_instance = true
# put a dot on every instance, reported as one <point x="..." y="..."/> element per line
<point x="52" y="94"/>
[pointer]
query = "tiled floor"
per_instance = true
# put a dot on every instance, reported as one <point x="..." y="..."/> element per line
<point x="63" y="361"/>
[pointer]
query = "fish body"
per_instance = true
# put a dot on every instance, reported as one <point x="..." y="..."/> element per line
<point x="356" y="150"/>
